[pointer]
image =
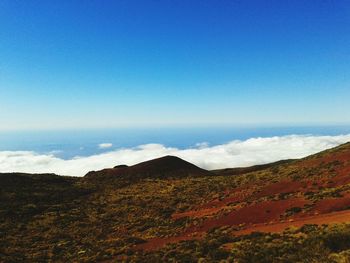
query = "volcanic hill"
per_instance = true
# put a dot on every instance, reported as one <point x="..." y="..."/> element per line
<point x="168" y="210"/>
<point x="164" y="167"/>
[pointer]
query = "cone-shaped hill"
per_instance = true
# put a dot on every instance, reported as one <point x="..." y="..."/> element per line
<point x="164" y="167"/>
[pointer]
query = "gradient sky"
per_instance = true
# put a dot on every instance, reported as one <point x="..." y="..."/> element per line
<point x="81" y="64"/>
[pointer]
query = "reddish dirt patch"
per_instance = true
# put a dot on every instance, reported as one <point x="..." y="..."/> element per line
<point x="257" y="213"/>
<point x="254" y="214"/>
<point x="332" y="205"/>
<point x="342" y="179"/>
<point x="281" y="188"/>
<point x="263" y="217"/>
<point x="331" y="218"/>
<point x="215" y="206"/>
<point x="236" y="195"/>
<point x="341" y="156"/>
<point x="331" y="170"/>
<point x="197" y="213"/>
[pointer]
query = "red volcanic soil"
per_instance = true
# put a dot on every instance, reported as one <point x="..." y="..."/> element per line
<point x="329" y="169"/>
<point x="237" y="195"/>
<point x="197" y="213"/>
<point x="264" y="217"/>
<point x="331" y="218"/>
<point x="341" y="155"/>
<point x="285" y="186"/>
<point x="257" y="213"/>
<point x="242" y="193"/>
<point x="332" y="205"/>
<point x="342" y="178"/>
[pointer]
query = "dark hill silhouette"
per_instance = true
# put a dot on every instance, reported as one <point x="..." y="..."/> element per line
<point x="164" y="167"/>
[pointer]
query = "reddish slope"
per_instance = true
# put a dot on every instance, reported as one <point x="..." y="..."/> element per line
<point x="330" y="218"/>
<point x="313" y="190"/>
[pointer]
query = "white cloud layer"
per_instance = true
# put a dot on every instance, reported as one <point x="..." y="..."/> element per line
<point x="105" y="145"/>
<point x="232" y="154"/>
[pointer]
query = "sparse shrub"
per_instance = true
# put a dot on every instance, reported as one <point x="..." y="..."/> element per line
<point x="293" y="210"/>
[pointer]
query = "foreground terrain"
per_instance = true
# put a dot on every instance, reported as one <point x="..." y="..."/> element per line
<point x="168" y="210"/>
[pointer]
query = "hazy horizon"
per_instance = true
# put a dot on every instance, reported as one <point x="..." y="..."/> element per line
<point x="76" y="152"/>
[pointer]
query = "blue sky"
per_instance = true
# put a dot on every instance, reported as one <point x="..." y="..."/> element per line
<point x="97" y="64"/>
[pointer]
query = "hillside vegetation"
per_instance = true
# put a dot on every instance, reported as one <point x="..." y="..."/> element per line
<point x="168" y="210"/>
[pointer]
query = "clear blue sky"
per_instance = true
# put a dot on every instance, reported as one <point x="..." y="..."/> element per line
<point x="79" y="64"/>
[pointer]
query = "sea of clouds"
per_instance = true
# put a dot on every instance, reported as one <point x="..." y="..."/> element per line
<point x="236" y="153"/>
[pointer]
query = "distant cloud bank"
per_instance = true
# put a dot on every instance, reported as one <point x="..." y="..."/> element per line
<point x="105" y="145"/>
<point x="232" y="154"/>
